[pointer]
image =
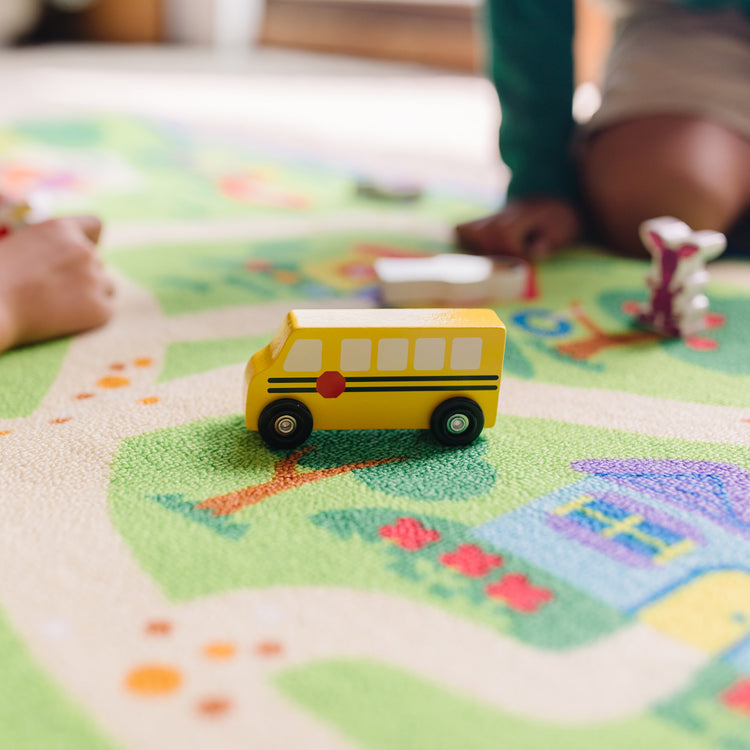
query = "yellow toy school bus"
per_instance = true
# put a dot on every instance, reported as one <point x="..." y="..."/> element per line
<point x="377" y="369"/>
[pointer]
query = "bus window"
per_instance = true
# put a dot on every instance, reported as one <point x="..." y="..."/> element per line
<point x="466" y="354"/>
<point x="393" y="354"/>
<point x="306" y="355"/>
<point x="429" y="354"/>
<point x="355" y="355"/>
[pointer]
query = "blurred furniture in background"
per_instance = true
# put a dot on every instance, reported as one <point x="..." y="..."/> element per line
<point x="443" y="33"/>
<point x="124" y="21"/>
<point x="434" y="32"/>
<point x="222" y="23"/>
<point x="446" y="33"/>
<point x="17" y="17"/>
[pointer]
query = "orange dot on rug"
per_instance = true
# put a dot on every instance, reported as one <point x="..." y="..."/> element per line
<point x="113" y="381"/>
<point x="219" y="650"/>
<point x="143" y="362"/>
<point x="153" y="679"/>
<point x="148" y="400"/>
<point x="159" y="627"/>
<point x="214" y="706"/>
<point x="269" y="648"/>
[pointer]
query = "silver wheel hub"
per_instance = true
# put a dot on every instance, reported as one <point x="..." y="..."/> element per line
<point x="458" y="423"/>
<point x="285" y="425"/>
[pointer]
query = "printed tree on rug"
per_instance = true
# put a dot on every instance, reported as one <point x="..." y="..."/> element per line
<point x="286" y="476"/>
<point x="401" y="463"/>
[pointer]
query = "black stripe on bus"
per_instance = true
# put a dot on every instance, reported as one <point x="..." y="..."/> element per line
<point x="392" y="378"/>
<point x="446" y="387"/>
<point x="292" y="390"/>
<point x="394" y="389"/>
<point x="417" y="378"/>
<point x="292" y="380"/>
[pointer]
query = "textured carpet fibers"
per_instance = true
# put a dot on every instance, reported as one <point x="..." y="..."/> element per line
<point x="577" y="578"/>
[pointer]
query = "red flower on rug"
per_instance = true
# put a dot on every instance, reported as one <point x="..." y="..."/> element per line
<point x="471" y="560"/>
<point x="410" y="534"/>
<point x="738" y="696"/>
<point x="516" y="591"/>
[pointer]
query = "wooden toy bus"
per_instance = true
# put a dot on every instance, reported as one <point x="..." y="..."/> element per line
<point x="377" y="369"/>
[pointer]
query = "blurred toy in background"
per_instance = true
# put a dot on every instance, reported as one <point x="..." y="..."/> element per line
<point x="452" y="280"/>
<point x="389" y="189"/>
<point x="677" y="305"/>
<point x="14" y="215"/>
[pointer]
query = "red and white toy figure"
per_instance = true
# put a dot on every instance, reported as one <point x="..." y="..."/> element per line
<point x="14" y="214"/>
<point x="677" y="305"/>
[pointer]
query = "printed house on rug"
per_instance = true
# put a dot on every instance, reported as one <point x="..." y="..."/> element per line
<point x="666" y="540"/>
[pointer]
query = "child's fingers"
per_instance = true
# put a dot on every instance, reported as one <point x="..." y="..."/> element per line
<point x="556" y="228"/>
<point x="91" y="226"/>
<point x="470" y="236"/>
<point x="493" y="235"/>
<point x="525" y="228"/>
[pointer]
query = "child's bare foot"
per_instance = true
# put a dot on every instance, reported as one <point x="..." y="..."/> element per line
<point x="52" y="282"/>
<point x="530" y="228"/>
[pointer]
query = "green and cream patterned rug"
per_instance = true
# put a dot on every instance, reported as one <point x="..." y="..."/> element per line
<point x="578" y="578"/>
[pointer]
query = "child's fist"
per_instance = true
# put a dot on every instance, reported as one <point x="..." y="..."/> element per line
<point x="52" y="281"/>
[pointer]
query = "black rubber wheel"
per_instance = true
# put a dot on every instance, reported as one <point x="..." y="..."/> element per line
<point x="457" y="421"/>
<point x="285" y="423"/>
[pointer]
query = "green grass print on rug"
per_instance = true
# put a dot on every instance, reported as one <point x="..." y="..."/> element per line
<point x="715" y="706"/>
<point x="380" y="708"/>
<point x="296" y="537"/>
<point x="137" y="169"/>
<point x="191" y="277"/>
<point x="164" y="489"/>
<point x="34" y="712"/>
<point x="184" y="358"/>
<point x="582" y="335"/>
<point x="26" y="375"/>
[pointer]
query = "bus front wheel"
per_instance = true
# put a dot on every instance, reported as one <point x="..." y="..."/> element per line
<point x="285" y="423"/>
<point x="457" y="421"/>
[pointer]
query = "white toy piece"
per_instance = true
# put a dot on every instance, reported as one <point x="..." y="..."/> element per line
<point x="451" y="280"/>
<point x="677" y="305"/>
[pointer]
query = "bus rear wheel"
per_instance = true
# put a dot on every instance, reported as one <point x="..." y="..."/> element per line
<point x="285" y="423"/>
<point x="457" y="421"/>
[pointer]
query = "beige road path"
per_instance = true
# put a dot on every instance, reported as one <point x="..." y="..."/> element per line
<point x="132" y="235"/>
<point x="73" y="591"/>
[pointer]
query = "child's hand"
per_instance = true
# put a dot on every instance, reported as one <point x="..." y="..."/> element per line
<point x="529" y="228"/>
<point x="52" y="282"/>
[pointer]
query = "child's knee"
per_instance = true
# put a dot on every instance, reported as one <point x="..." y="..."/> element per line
<point x="644" y="169"/>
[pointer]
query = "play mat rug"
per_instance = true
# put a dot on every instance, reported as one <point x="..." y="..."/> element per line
<point x="578" y="578"/>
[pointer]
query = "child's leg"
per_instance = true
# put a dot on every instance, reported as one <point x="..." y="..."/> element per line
<point x="677" y="165"/>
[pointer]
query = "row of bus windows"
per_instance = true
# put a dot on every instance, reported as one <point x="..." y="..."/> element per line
<point x="463" y="353"/>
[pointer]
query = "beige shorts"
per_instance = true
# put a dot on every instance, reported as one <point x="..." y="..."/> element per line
<point x="667" y="59"/>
